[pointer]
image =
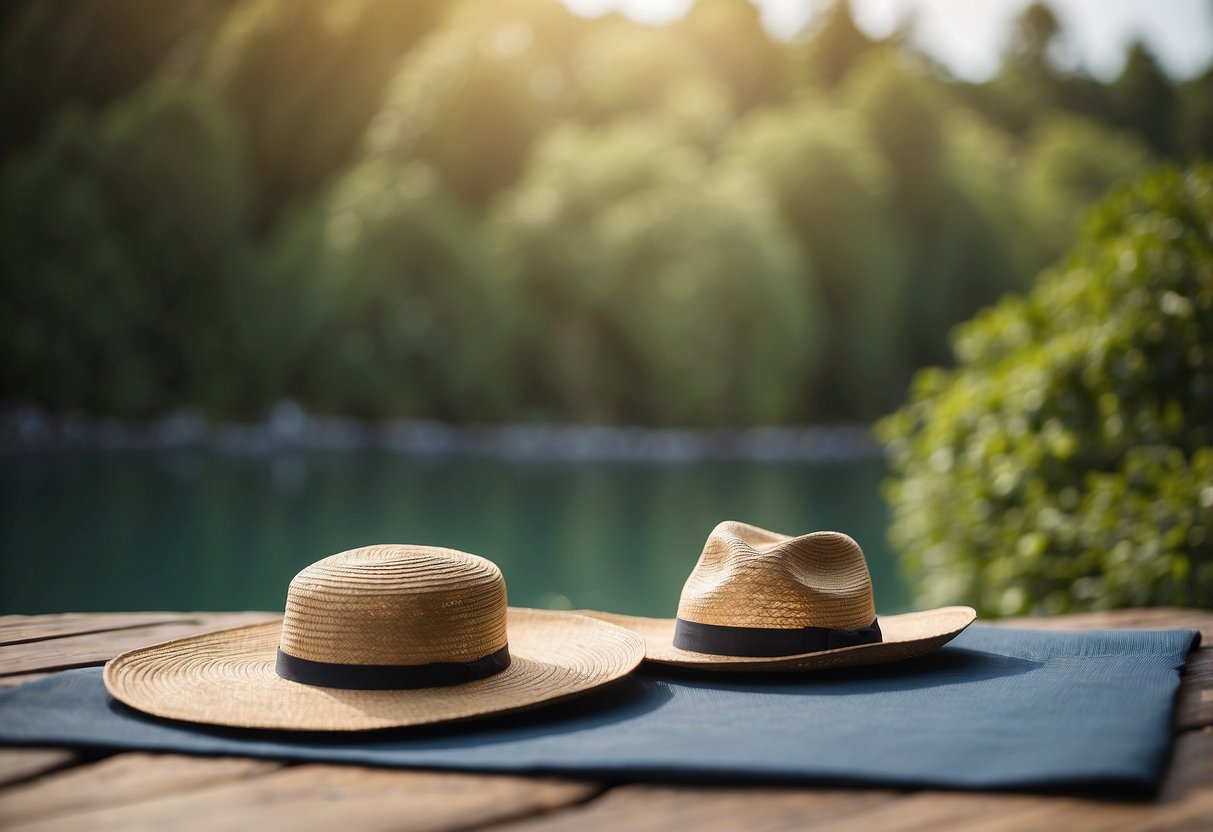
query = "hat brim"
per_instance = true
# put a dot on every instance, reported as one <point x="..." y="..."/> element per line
<point x="903" y="637"/>
<point x="227" y="678"/>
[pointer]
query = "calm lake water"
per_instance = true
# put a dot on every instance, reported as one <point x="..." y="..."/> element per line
<point x="191" y="530"/>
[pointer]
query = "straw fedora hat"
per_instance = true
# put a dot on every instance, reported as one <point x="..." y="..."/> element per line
<point x="378" y="637"/>
<point x="762" y="601"/>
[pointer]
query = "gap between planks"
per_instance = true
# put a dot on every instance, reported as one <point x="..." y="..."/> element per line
<point x="119" y="780"/>
<point x="1186" y="801"/>
<point x="20" y="764"/>
<point x="1194" y="703"/>
<point x="21" y="629"/>
<point x="166" y="792"/>
<point x="813" y="803"/>
<point x="63" y="651"/>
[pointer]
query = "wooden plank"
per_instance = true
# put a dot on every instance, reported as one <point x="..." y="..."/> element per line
<point x="17" y="764"/>
<point x="91" y="649"/>
<point x="952" y="810"/>
<point x="1191" y="766"/>
<point x="121" y="780"/>
<point x="15" y="629"/>
<point x="1186" y="802"/>
<point x="1194" y="705"/>
<point x="1150" y="618"/>
<point x="969" y="811"/>
<point x="319" y="796"/>
<point x="643" y="808"/>
<point x="324" y="797"/>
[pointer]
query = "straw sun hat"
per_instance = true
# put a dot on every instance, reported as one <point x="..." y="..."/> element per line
<point x="378" y="637"/>
<point x="762" y="601"/>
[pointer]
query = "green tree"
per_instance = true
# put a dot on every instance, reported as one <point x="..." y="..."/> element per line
<point x="991" y="234"/>
<point x="834" y="46"/>
<point x="394" y="310"/>
<point x="123" y="238"/>
<point x="903" y="110"/>
<point x="624" y="70"/>
<point x="1026" y="84"/>
<point x="1068" y="164"/>
<point x="948" y="224"/>
<point x="1033" y="34"/>
<point x="1065" y="464"/>
<point x="87" y="52"/>
<point x="729" y="37"/>
<point x="305" y="78"/>
<point x="472" y="98"/>
<point x="833" y="186"/>
<point x="1144" y="100"/>
<point x="1196" y="116"/>
<point x="663" y="289"/>
<point x="1030" y="82"/>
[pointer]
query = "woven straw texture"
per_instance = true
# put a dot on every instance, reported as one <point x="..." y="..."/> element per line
<point x="905" y="637"/>
<point x="752" y="577"/>
<point x="396" y="605"/>
<point x="379" y="605"/>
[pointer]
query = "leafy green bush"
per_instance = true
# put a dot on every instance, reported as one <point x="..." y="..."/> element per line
<point x="1067" y="463"/>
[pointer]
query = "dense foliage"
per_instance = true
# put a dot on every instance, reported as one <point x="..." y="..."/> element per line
<point x="1067" y="462"/>
<point x="496" y="210"/>
<point x="662" y="287"/>
<point x="113" y="302"/>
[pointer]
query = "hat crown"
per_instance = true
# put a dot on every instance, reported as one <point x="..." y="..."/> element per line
<point x="751" y="577"/>
<point x="396" y="605"/>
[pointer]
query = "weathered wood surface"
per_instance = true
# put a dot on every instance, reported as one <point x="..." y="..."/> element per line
<point x="17" y="764"/>
<point x="1194" y="706"/>
<point x="299" y="797"/>
<point x="71" y="642"/>
<point x="122" y="780"/>
<point x="15" y="629"/>
<point x="65" y="789"/>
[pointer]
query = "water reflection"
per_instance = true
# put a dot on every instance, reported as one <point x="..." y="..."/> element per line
<point x="191" y="530"/>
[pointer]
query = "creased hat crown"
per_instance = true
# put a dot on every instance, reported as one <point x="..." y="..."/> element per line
<point x="751" y="577"/>
<point x="396" y="605"/>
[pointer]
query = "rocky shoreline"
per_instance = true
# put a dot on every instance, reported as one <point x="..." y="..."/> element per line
<point x="288" y="427"/>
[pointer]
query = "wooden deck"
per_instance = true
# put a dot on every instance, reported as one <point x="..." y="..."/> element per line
<point x="66" y="789"/>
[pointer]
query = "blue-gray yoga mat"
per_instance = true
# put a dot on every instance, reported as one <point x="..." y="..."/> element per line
<point x="996" y="708"/>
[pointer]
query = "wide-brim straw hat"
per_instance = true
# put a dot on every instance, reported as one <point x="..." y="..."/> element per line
<point x="379" y="637"/>
<point x="762" y="601"/>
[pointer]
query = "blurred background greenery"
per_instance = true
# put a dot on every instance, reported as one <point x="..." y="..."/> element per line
<point x="494" y="211"/>
<point x="498" y="212"/>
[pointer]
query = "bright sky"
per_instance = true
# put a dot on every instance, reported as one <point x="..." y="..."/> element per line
<point x="968" y="35"/>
